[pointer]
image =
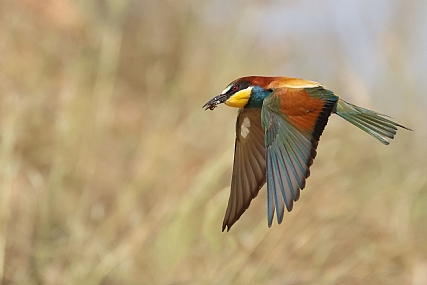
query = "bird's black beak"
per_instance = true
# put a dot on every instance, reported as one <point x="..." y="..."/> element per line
<point x="211" y="104"/>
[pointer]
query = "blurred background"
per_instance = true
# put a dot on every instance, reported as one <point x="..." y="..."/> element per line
<point x="112" y="173"/>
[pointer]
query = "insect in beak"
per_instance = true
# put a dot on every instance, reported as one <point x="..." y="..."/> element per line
<point x="211" y="104"/>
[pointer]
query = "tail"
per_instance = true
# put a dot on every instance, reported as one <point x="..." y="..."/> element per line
<point x="369" y="121"/>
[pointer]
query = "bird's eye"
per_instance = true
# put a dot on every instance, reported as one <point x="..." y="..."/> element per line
<point x="234" y="88"/>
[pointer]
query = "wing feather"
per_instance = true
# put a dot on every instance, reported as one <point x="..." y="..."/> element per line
<point x="293" y="122"/>
<point x="277" y="187"/>
<point x="249" y="165"/>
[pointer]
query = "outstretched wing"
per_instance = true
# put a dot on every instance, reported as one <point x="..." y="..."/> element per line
<point x="249" y="164"/>
<point x="293" y="119"/>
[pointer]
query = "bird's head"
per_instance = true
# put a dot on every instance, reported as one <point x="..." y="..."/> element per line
<point x="245" y="92"/>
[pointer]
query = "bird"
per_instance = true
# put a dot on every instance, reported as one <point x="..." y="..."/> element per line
<point x="278" y="127"/>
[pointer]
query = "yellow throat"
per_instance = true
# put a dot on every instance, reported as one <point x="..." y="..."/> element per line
<point x="239" y="99"/>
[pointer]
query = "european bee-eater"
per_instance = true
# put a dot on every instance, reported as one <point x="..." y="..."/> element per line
<point x="279" y="123"/>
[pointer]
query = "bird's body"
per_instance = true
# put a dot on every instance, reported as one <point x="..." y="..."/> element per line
<point x="279" y="123"/>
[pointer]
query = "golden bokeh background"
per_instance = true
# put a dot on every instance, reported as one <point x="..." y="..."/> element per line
<point x="112" y="173"/>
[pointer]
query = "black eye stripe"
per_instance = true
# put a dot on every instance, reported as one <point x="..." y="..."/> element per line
<point x="244" y="85"/>
<point x="239" y="86"/>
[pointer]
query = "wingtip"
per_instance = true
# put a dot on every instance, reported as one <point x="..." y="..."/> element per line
<point x="270" y="222"/>
<point x="226" y="227"/>
<point x="280" y="216"/>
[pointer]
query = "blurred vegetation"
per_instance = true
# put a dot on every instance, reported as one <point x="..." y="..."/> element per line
<point x="111" y="172"/>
